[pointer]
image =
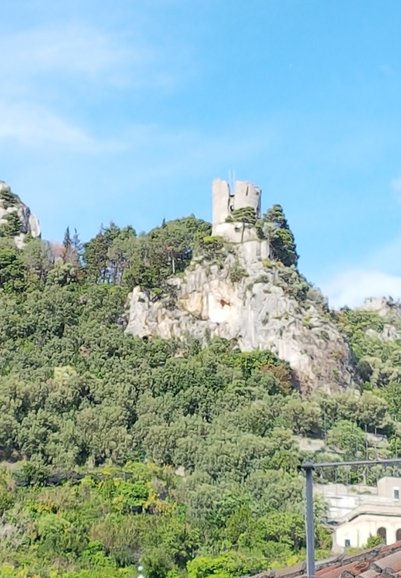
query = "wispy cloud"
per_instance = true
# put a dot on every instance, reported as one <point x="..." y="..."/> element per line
<point x="77" y="50"/>
<point x="352" y="287"/>
<point x="34" y="126"/>
<point x="54" y="72"/>
<point x="71" y="48"/>
<point x="379" y="275"/>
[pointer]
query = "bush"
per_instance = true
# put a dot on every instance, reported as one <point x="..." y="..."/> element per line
<point x="227" y="565"/>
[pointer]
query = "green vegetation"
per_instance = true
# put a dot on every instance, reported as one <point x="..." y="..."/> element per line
<point x="121" y="257"/>
<point x="12" y="226"/>
<point x="8" y="198"/>
<point x="281" y="239"/>
<point x="243" y="215"/>
<point x="118" y="451"/>
<point x="237" y="272"/>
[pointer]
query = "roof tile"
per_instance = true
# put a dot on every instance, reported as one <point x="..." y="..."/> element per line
<point x="381" y="561"/>
<point x="391" y="564"/>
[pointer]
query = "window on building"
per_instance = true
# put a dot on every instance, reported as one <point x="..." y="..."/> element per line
<point x="347" y="543"/>
<point x="398" y="535"/>
<point x="396" y="494"/>
<point x="382" y="533"/>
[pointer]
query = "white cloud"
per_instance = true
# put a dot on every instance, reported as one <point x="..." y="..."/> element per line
<point x="32" y="56"/>
<point x="47" y="71"/>
<point x="377" y="275"/>
<point x="34" y="126"/>
<point x="71" y="48"/>
<point x="352" y="287"/>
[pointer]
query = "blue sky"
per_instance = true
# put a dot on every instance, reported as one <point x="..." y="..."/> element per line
<point x="126" y="110"/>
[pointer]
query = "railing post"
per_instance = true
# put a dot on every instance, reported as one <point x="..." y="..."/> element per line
<point x="310" y="526"/>
<point x="309" y="468"/>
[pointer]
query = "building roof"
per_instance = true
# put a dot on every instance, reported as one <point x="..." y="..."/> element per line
<point x="379" y="562"/>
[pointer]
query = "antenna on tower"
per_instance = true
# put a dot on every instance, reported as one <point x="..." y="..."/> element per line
<point x="231" y="180"/>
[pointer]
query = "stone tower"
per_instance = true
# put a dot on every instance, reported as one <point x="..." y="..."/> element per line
<point x="247" y="195"/>
<point x="226" y="202"/>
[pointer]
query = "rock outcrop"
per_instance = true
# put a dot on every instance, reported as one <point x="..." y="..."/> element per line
<point x="383" y="306"/>
<point x="389" y="311"/>
<point x="241" y="294"/>
<point x="16" y="219"/>
<point x="260" y="304"/>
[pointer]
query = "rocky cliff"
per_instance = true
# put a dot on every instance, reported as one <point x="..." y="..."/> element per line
<point x="16" y="219"/>
<point x="259" y="303"/>
<point x="389" y="311"/>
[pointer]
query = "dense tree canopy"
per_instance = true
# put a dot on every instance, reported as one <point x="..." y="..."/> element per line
<point x="118" y="451"/>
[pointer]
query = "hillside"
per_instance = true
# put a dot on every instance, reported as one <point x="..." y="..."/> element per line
<point x="261" y="305"/>
<point x="179" y="451"/>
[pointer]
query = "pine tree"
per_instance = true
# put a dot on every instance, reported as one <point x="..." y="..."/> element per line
<point x="281" y="238"/>
<point x="67" y="243"/>
<point x="14" y="224"/>
<point x="70" y="248"/>
<point x="77" y="246"/>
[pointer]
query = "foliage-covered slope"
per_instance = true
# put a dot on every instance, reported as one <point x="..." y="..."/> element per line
<point x="95" y="422"/>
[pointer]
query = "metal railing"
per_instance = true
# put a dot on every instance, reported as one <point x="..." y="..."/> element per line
<point x="309" y="468"/>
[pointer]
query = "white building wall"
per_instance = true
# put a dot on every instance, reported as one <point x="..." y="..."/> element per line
<point x="357" y="531"/>
<point x="387" y="487"/>
<point x="342" y="499"/>
<point x="358" y="512"/>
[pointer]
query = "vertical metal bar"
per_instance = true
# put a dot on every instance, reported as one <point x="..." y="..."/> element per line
<point x="308" y="468"/>
<point x="310" y="530"/>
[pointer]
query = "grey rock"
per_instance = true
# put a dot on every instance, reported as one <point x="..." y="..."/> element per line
<point x="390" y="312"/>
<point x="259" y="311"/>
<point x="29" y="223"/>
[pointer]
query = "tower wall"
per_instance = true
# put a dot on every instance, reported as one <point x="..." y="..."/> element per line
<point x="247" y="195"/>
<point x="221" y="203"/>
<point x="224" y="203"/>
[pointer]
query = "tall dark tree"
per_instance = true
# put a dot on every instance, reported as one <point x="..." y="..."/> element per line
<point x="12" y="226"/>
<point x="96" y="254"/>
<point x="77" y="246"/>
<point x="38" y="259"/>
<point x="12" y="269"/>
<point x="281" y="238"/>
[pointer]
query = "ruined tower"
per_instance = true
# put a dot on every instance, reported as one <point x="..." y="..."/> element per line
<point x="247" y="195"/>
<point x="227" y="203"/>
<point x="227" y="215"/>
<point x="221" y="203"/>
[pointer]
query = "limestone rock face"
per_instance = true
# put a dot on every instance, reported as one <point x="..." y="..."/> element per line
<point x="382" y="306"/>
<point x="258" y="303"/>
<point x="26" y="222"/>
<point x="390" y="311"/>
